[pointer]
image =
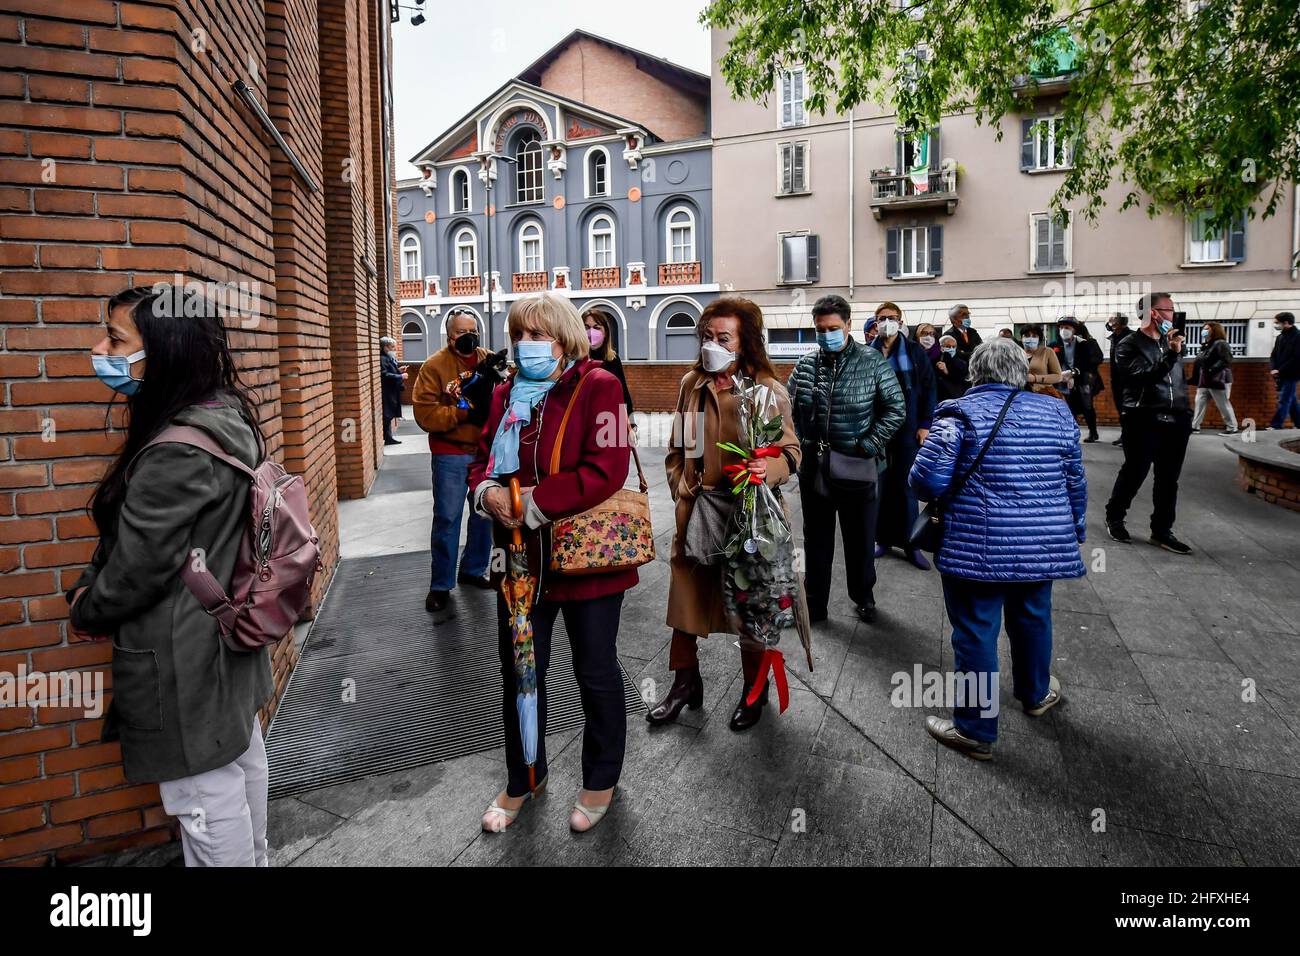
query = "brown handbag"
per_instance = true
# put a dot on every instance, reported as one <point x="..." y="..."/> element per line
<point x="615" y="535"/>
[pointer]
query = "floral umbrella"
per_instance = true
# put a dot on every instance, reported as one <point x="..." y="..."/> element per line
<point x="519" y="587"/>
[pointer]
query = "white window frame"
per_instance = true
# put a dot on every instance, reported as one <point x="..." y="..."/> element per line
<point x="1068" y="243"/>
<point x="411" y="243"/>
<point x="528" y="177"/>
<point x="1048" y="126"/>
<point x="472" y="245"/>
<point x="1188" y="242"/>
<point x="920" y="237"/>
<point x="792" y="145"/>
<point x="781" y="237"/>
<point x="451" y="193"/>
<point x="669" y="227"/>
<point x="593" y="232"/>
<point x="529" y="232"/>
<point x="798" y="107"/>
<point x="588" y="182"/>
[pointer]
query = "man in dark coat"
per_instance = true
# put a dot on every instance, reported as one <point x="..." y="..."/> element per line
<point x="845" y="400"/>
<point x="960" y="329"/>
<point x="392" y="378"/>
<point x="1077" y="351"/>
<point x="1284" y="366"/>
<point x="1117" y="328"/>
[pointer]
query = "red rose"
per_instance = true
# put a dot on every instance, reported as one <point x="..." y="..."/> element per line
<point x="785" y="601"/>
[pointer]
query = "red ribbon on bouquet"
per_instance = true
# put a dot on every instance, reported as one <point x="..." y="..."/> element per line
<point x="737" y="473"/>
<point x="774" y="661"/>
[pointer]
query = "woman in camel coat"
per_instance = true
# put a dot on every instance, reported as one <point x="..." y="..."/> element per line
<point x="731" y="336"/>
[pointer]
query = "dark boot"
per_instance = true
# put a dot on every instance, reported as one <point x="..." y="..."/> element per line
<point x="745" y="715"/>
<point x="687" y="691"/>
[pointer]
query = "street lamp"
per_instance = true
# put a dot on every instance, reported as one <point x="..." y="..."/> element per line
<point x="487" y="219"/>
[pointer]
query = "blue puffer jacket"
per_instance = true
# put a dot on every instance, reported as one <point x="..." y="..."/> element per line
<point x="1021" y="516"/>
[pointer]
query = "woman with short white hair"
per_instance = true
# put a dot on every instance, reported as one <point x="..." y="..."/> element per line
<point x="526" y="422"/>
<point x="1006" y="470"/>
<point x="391" y="380"/>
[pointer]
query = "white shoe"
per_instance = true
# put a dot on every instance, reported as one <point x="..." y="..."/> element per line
<point x="496" y="817"/>
<point x="584" y="817"/>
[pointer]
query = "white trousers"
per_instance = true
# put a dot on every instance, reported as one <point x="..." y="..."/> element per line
<point x="223" y="812"/>
<point x="1220" y="396"/>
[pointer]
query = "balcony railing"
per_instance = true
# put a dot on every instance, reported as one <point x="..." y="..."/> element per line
<point x="410" y="289"/>
<point x="605" y="278"/>
<point x="679" y="273"/>
<point x="528" y="282"/>
<point x="464" y="285"/>
<point x="892" y="191"/>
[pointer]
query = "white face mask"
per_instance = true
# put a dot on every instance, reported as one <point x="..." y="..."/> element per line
<point x="926" y="340"/>
<point x="889" y="328"/>
<point x="715" y="357"/>
<point x="1067" y="334"/>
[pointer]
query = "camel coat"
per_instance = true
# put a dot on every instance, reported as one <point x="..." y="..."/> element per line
<point x="695" y="591"/>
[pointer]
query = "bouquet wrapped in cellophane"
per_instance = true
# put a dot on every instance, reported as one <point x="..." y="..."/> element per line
<point x="759" y="583"/>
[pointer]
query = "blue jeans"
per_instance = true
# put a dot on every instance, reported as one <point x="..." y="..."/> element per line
<point x="1287" y="403"/>
<point x="450" y="491"/>
<point x="976" y="609"/>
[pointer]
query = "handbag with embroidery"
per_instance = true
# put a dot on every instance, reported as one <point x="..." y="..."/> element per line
<point x="615" y="535"/>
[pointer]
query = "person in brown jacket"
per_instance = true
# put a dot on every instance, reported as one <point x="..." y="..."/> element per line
<point x="731" y="341"/>
<point x="453" y="440"/>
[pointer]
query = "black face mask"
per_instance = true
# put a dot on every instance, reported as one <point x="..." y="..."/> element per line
<point x="467" y="343"/>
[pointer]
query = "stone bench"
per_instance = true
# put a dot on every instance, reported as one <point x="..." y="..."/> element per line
<point x="1269" y="466"/>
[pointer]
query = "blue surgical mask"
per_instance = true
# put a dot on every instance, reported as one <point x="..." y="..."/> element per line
<point x="950" y="352"/>
<point x="1030" y="343"/>
<point x="535" y="360"/>
<point x="1165" y="326"/>
<point x="831" y="341"/>
<point x="965" y="323"/>
<point x="115" y="371"/>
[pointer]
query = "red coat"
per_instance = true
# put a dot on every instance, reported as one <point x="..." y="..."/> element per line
<point x="591" y="469"/>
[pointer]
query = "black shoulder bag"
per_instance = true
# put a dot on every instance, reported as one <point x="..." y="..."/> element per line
<point x="927" y="530"/>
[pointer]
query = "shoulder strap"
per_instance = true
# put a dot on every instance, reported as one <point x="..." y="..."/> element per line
<point x="189" y="435"/>
<point x="955" y="488"/>
<point x="559" y="438"/>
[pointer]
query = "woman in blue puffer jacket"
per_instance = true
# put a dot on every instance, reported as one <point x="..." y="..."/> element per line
<point x="1013" y="528"/>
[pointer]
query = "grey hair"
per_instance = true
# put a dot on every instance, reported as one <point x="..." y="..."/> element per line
<point x="952" y="313"/>
<point x="386" y="340"/>
<point x="457" y="314"/>
<point x="999" y="361"/>
<point x="947" y="338"/>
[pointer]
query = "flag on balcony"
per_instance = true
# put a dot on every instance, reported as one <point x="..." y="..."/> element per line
<point x="919" y="171"/>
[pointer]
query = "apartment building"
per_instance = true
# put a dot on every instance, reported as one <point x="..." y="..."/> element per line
<point x="853" y="205"/>
<point x="597" y="157"/>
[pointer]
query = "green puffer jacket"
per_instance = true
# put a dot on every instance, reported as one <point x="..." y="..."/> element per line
<point x="866" y="404"/>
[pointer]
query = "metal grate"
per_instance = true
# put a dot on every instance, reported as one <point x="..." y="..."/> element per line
<point x="426" y="688"/>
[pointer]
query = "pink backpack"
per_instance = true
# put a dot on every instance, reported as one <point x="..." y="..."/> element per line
<point x="278" y="557"/>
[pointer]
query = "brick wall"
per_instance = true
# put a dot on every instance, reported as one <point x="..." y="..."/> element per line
<point x="126" y="157"/>
<point x="1279" y="486"/>
<point x="599" y="75"/>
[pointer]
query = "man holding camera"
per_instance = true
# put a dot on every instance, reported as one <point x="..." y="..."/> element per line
<point x="1157" y="421"/>
<point x="454" y="426"/>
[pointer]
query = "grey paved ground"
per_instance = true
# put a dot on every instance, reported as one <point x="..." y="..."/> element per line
<point x="1154" y="733"/>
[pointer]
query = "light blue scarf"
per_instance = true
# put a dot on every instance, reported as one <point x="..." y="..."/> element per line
<point x="525" y="395"/>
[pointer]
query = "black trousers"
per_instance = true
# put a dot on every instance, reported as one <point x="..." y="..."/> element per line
<point x="593" y="631"/>
<point x="1079" y="398"/>
<point x="896" y="505"/>
<point x="1151" y="444"/>
<point x="856" y="511"/>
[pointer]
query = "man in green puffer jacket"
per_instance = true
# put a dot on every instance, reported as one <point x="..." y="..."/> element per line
<point x="846" y="400"/>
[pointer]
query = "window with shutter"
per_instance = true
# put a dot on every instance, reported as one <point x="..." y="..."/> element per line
<point x="1049" y="243"/>
<point x="799" y="259"/>
<point x="891" y="252"/>
<point x="936" y="251"/>
<point x="787" y="168"/>
<point x="792" y="97"/>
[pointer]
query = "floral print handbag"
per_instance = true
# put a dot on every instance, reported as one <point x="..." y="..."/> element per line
<point x="615" y="535"/>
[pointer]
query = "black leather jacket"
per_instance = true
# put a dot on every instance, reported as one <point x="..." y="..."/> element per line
<point x="851" y="399"/>
<point x="1152" y="374"/>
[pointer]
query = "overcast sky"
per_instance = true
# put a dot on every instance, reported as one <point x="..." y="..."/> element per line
<point x="464" y="51"/>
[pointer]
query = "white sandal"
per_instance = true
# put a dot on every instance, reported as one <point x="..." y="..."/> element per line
<point x="593" y="814"/>
<point x="506" y="817"/>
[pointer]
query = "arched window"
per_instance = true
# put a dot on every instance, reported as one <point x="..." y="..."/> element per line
<point x="414" y="348"/>
<point x="680" y="341"/>
<point x="466" y="253"/>
<point x="597" y="172"/>
<point x="460" y="191"/>
<point x="530" y="248"/>
<point x="681" y="235"/>
<point x="528" y="167"/>
<point x="410" y="256"/>
<point x="601" y="251"/>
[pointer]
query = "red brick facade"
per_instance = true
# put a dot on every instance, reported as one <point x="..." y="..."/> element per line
<point x="126" y="157"/>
